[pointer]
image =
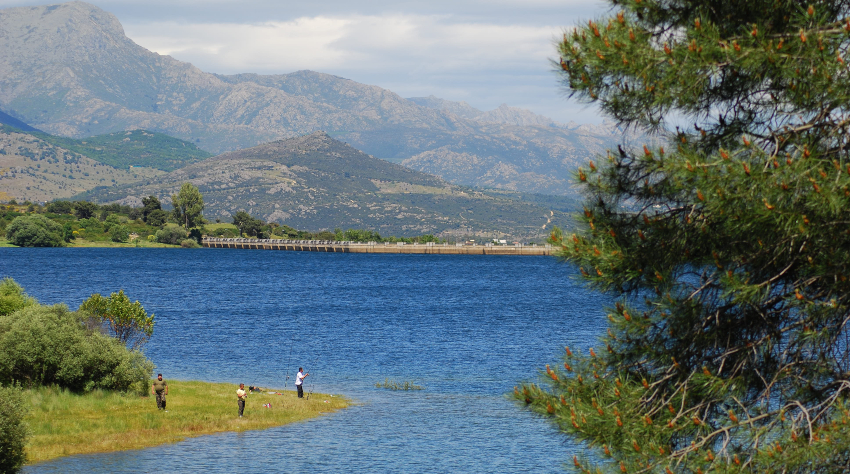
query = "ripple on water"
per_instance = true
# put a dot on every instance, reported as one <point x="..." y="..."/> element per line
<point x="467" y="328"/>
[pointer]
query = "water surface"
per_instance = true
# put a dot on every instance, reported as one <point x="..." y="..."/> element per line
<point x="467" y="328"/>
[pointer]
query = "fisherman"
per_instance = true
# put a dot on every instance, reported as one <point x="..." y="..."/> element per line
<point x="160" y="389"/>
<point x="299" y="382"/>
<point x="241" y="395"/>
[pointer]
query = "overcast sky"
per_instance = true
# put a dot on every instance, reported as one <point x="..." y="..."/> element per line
<point x="483" y="52"/>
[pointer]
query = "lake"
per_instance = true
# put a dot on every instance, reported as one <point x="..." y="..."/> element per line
<point x="467" y="328"/>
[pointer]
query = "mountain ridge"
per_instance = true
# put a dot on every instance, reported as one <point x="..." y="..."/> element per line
<point x="70" y="70"/>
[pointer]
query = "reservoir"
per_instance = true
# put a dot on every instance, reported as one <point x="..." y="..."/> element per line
<point x="466" y="328"/>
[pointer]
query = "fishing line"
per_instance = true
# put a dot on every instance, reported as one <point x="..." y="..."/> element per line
<point x="311" y="380"/>
<point x="288" y="364"/>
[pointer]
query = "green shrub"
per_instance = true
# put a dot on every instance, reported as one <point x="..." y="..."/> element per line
<point x="119" y="233"/>
<point x="12" y="297"/>
<point x="189" y="244"/>
<point x="60" y="207"/>
<point x="13" y="431"/>
<point x="34" y="231"/>
<point x="110" y="221"/>
<point x="91" y="225"/>
<point x="128" y="322"/>
<point x="68" y="232"/>
<point x="45" y="345"/>
<point x="171" y="235"/>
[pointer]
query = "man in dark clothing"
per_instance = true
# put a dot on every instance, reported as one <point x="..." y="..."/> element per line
<point x="241" y="395"/>
<point x="160" y="388"/>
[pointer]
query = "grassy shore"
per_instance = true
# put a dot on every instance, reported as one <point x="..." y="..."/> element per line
<point x="105" y="244"/>
<point x="109" y="244"/>
<point x="63" y="423"/>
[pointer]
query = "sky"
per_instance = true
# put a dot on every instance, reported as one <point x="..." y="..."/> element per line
<point x="485" y="53"/>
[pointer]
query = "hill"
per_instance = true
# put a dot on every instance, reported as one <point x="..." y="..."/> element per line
<point x="133" y="149"/>
<point x="32" y="169"/>
<point x="315" y="182"/>
<point x="69" y="70"/>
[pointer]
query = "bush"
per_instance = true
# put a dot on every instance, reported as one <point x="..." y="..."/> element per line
<point x="170" y="235"/>
<point x="91" y="225"/>
<point x="197" y="235"/>
<point x="110" y="221"/>
<point x="60" y="207"/>
<point x="189" y="244"/>
<point x="68" y="232"/>
<point x="13" y="431"/>
<point x="41" y="345"/>
<point x="13" y="298"/>
<point x="34" y="231"/>
<point x="119" y="233"/>
<point x="128" y="322"/>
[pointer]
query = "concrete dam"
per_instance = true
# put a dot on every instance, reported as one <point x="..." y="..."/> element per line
<point x="376" y="247"/>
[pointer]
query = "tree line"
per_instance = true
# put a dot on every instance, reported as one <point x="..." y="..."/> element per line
<point x="59" y="222"/>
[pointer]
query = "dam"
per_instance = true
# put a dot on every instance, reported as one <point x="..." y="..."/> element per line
<point x="377" y="247"/>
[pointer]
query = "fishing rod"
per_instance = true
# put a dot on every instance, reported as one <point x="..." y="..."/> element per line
<point x="311" y="380"/>
<point x="288" y="365"/>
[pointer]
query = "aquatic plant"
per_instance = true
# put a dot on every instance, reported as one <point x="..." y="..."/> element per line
<point x="393" y="385"/>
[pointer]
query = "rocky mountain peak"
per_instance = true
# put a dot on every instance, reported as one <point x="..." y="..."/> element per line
<point x="69" y="70"/>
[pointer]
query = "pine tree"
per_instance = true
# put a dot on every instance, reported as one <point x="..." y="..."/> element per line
<point x="728" y="247"/>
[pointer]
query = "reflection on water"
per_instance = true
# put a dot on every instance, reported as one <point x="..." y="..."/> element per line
<point x="468" y="328"/>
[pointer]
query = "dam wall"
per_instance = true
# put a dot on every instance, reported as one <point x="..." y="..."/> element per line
<point x="376" y="247"/>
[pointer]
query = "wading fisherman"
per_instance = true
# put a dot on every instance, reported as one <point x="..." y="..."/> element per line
<point x="241" y="395"/>
<point x="299" y="382"/>
<point x="160" y="389"/>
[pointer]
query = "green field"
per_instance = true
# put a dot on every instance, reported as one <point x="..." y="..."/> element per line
<point x="64" y="423"/>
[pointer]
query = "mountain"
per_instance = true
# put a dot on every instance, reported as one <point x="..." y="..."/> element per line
<point x="69" y="70"/>
<point x="6" y="119"/>
<point x="315" y="182"/>
<point x="503" y="114"/>
<point x="32" y="169"/>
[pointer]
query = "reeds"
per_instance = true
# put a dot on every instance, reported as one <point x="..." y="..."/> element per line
<point x="393" y="385"/>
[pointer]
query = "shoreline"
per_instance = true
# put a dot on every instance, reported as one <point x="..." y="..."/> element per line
<point x="63" y="424"/>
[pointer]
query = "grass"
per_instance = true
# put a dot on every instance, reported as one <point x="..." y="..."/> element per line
<point x="62" y="423"/>
<point x="142" y="242"/>
<point x="220" y="225"/>
<point x="105" y="244"/>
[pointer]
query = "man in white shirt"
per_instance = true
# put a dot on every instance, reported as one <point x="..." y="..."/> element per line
<point x="299" y="382"/>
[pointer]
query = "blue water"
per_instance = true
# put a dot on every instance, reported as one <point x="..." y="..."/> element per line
<point x="467" y="328"/>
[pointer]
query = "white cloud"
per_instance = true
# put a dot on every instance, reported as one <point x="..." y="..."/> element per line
<point x="324" y="43"/>
<point x="486" y="52"/>
<point x="304" y="43"/>
<point x="412" y="55"/>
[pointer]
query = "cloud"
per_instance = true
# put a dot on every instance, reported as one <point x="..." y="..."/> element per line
<point x="305" y="43"/>
<point x="412" y="55"/>
<point x="404" y="42"/>
<point x="485" y="52"/>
